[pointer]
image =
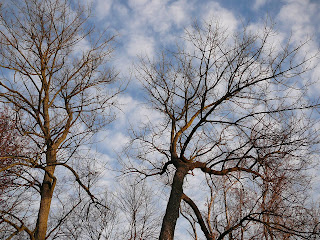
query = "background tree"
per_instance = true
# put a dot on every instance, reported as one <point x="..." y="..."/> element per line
<point x="80" y="219"/>
<point x="54" y="77"/>
<point x="235" y="210"/>
<point x="230" y="104"/>
<point x="131" y="214"/>
<point x="138" y="211"/>
<point x="11" y="147"/>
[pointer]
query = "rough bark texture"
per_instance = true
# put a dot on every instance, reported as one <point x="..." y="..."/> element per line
<point x="172" y="211"/>
<point x="47" y="189"/>
<point x="44" y="210"/>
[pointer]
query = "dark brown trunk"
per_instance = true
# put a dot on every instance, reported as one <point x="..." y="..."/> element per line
<point x="46" y="192"/>
<point x="173" y="206"/>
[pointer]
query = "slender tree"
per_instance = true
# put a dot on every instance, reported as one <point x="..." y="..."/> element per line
<point x="231" y="104"/>
<point x="54" y="77"/>
<point x="136" y="203"/>
<point x="277" y="209"/>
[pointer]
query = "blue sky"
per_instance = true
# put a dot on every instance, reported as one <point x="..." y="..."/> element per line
<point x="146" y="27"/>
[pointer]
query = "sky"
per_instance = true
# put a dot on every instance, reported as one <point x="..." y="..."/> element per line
<point x="147" y="27"/>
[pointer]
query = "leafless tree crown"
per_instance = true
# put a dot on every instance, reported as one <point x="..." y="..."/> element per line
<point x="55" y="76"/>
<point x="236" y="108"/>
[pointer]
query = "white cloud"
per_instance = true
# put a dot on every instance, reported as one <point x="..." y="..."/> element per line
<point x="276" y="39"/>
<point x="160" y="15"/>
<point x="134" y="3"/>
<point x="152" y="15"/>
<point x="136" y="112"/>
<point x="113" y="140"/>
<point x="140" y="45"/>
<point x="298" y="16"/>
<point x="299" y="19"/>
<point x="178" y="12"/>
<point x="259" y="3"/>
<point x="121" y="10"/>
<point x="214" y="11"/>
<point x="81" y="47"/>
<point x="103" y="8"/>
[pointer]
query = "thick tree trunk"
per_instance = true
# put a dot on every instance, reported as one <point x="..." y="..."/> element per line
<point x="46" y="192"/>
<point x="172" y="211"/>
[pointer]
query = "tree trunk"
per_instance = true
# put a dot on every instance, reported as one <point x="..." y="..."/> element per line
<point x="172" y="211"/>
<point x="46" y="192"/>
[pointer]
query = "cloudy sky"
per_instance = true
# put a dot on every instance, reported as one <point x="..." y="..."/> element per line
<point x="146" y="27"/>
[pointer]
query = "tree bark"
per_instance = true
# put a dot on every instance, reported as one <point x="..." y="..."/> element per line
<point x="172" y="211"/>
<point x="46" y="192"/>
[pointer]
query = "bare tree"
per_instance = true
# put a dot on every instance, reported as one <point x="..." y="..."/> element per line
<point x="131" y="214"/>
<point x="230" y="104"/>
<point x="247" y="210"/>
<point x="137" y="206"/>
<point x="54" y="76"/>
<point x="84" y="220"/>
